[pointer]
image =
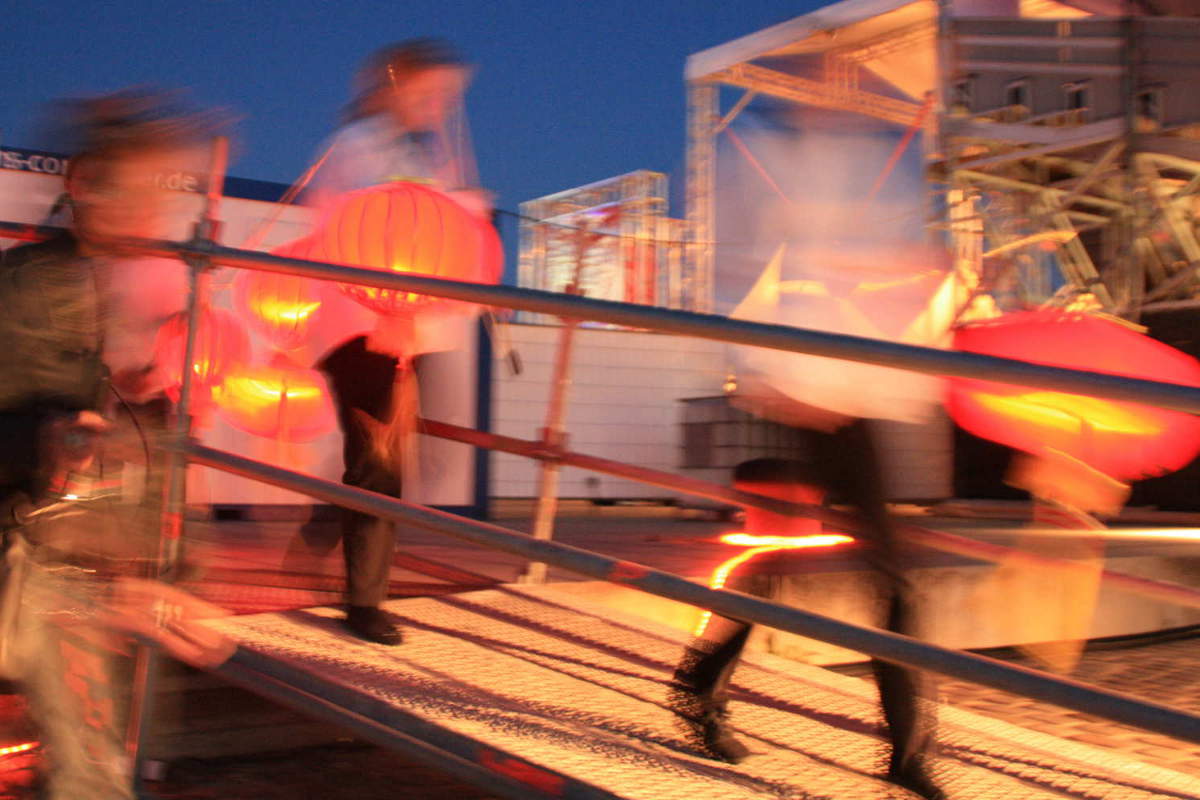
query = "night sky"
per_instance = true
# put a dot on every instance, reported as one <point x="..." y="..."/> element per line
<point x="565" y="93"/>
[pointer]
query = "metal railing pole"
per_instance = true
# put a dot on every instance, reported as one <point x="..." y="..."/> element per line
<point x="147" y="663"/>
<point x="926" y="360"/>
<point x="880" y="644"/>
<point x="844" y="521"/>
<point x="553" y="434"/>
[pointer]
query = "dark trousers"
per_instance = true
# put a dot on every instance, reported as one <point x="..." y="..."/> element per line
<point x="847" y="463"/>
<point x="362" y="382"/>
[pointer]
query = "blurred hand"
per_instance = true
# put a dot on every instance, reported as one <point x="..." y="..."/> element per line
<point x="170" y="617"/>
<point x="69" y="441"/>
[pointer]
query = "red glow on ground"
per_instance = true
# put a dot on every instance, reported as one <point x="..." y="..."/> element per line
<point x="759" y="544"/>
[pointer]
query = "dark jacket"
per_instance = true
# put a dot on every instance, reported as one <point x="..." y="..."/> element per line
<point x="51" y="339"/>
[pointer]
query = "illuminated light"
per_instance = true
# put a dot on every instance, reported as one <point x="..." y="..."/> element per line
<point x="221" y="346"/>
<point x="814" y="540"/>
<point x="1133" y="534"/>
<point x="295" y="314"/>
<point x="281" y="307"/>
<point x="18" y="748"/>
<point x="758" y="545"/>
<point x="1070" y="412"/>
<point x="403" y="227"/>
<point x="721" y="574"/>
<point x="278" y="401"/>
<point x="1123" y="440"/>
<point x="70" y="497"/>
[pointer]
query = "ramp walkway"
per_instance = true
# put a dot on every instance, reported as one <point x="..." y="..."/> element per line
<point x="531" y="692"/>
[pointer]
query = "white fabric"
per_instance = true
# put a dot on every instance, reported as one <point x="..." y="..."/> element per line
<point x="843" y="387"/>
<point x="826" y="259"/>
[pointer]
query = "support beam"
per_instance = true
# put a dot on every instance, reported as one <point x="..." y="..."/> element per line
<point x="703" y="109"/>
<point x="973" y="176"/>
<point x="815" y="93"/>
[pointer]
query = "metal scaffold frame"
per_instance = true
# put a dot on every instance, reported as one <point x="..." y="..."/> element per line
<point x="243" y="668"/>
<point x="201" y="254"/>
<point x="1110" y="164"/>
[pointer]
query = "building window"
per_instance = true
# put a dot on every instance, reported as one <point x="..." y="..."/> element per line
<point x="1019" y="95"/>
<point x="1149" y="106"/>
<point x="963" y="97"/>
<point x="1077" y="99"/>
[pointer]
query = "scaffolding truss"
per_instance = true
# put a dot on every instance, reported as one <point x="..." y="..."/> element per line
<point x="1064" y="154"/>
<point x="610" y="240"/>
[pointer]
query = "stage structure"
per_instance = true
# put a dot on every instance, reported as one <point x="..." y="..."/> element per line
<point x="1061" y="139"/>
<point x="610" y="240"/>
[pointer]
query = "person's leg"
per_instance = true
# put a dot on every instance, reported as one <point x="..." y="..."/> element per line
<point x="66" y="674"/>
<point x="699" y="692"/>
<point x="850" y="461"/>
<point x="362" y="383"/>
<point x="367" y="544"/>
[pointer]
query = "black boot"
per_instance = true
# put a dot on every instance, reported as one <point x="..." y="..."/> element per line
<point x="915" y="778"/>
<point x="904" y="693"/>
<point x="699" y="697"/>
<point x="372" y="624"/>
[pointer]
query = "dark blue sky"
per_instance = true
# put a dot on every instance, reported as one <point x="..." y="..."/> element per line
<point x="566" y="93"/>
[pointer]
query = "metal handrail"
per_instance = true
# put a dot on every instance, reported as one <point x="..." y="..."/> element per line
<point x="879" y="644"/>
<point x="841" y="520"/>
<point x="927" y="360"/>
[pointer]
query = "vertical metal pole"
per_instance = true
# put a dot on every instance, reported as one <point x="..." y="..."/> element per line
<point x="553" y="434"/>
<point x="703" y="111"/>
<point x="146" y="664"/>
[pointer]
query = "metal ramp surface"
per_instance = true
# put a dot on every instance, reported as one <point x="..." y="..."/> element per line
<point x="560" y="698"/>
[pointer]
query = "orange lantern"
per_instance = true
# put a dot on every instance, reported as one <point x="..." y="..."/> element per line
<point x="1126" y="441"/>
<point x="404" y="227"/>
<point x="281" y="307"/>
<point x="277" y="401"/>
<point x="221" y="345"/>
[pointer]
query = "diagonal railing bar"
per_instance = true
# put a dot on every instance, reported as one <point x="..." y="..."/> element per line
<point x="926" y="360"/>
<point x="879" y="644"/>
<point x="914" y="534"/>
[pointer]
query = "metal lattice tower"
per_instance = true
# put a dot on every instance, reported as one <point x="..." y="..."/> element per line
<point x="1065" y="148"/>
<point x="632" y="253"/>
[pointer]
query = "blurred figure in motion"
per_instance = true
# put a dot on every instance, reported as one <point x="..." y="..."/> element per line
<point x="832" y="260"/>
<point x="66" y="548"/>
<point x="406" y="123"/>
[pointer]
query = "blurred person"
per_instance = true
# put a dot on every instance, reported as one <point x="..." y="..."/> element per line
<point x="406" y="123"/>
<point x="55" y="390"/>
<point x="839" y="263"/>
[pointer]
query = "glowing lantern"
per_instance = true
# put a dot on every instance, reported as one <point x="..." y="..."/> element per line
<point x="221" y="345"/>
<point x="277" y="401"/>
<point x="281" y="307"/>
<point x="1124" y="440"/>
<point x="404" y="227"/>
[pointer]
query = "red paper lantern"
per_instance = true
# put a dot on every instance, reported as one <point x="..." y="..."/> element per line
<point x="281" y="307"/>
<point x="404" y="227"/>
<point x="1126" y="441"/>
<point x="221" y="345"/>
<point x="277" y="401"/>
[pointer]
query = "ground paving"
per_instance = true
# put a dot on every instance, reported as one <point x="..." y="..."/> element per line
<point x="1167" y="672"/>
